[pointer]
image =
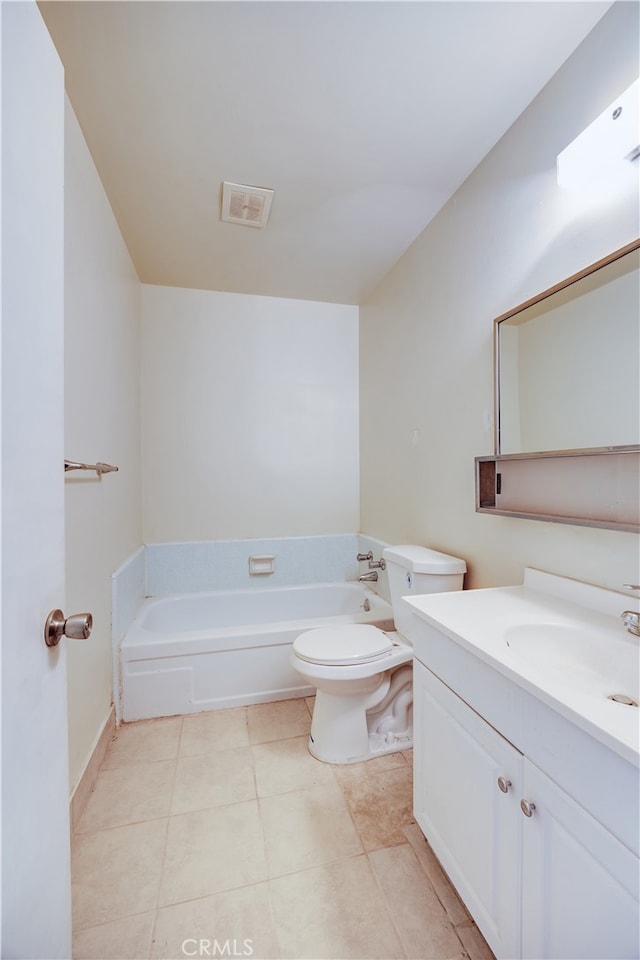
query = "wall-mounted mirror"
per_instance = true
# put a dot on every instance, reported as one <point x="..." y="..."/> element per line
<point x="567" y="362"/>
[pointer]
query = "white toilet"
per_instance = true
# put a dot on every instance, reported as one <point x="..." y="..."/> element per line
<point x="364" y="676"/>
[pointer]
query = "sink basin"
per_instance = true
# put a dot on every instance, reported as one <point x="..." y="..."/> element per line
<point x="601" y="662"/>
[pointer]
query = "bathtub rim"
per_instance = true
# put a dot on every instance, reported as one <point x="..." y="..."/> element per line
<point x="139" y="638"/>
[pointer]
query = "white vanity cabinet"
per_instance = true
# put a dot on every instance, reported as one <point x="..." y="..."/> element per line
<point x="472" y="825"/>
<point x="580" y="884"/>
<point x="539" y="874"/>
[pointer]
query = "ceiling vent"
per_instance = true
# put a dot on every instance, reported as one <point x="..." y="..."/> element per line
<point x="246" y="205"/>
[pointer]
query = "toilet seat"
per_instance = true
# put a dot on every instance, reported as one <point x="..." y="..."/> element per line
<point x="340" y="646"/>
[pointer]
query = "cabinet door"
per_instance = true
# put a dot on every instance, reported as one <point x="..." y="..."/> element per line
<point x="580" y="894"/>
<point x="471" y="824"/>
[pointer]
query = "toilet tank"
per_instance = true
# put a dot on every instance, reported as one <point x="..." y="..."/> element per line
<point x="413" y="569"/>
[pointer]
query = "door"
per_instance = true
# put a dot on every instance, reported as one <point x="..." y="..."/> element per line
<point x="580" y="896"/>
<point x="36" y="914"/>
<point x="465" y="800"/>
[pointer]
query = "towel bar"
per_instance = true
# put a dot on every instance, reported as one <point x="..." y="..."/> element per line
<point x="99" y="468"/>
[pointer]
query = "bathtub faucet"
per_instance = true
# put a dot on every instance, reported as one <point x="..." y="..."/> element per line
<point x="373" y="576"/>
<point x="373" y="564"/>
<point x="631" y="620"/>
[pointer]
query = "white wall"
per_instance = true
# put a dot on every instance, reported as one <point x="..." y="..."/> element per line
<point x="426" y="333"/>
<point x="102" y="415"/>
<point x="249" y="416"/>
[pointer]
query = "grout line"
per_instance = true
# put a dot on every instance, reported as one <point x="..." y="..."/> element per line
<point x="391" y="913"/>
<point x="106" y="923"/>
<point x="469" y="921"/>
<point x="166" y="839"/>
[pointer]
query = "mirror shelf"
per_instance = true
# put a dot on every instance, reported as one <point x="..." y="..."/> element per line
<point x="592" y="488"/>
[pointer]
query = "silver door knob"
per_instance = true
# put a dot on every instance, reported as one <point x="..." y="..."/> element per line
<point x="77" y="627"/>
<point x="527" y="807"/>
<point x="504" y="784"/>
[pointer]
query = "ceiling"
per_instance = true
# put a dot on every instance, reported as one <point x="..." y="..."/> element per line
<point x="363" y="117"/>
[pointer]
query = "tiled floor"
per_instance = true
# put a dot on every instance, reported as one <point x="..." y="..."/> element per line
<point x="217" y="834"/>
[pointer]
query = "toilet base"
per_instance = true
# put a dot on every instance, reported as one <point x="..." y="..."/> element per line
<point x="378" y="747"/>
<point x="350" y="729"/>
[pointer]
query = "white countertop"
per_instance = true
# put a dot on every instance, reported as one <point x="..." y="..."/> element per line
<point x="545" y="620"/>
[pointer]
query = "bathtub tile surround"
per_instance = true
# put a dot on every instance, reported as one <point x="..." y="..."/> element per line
<point x="128" y="590"/>
<point x="148" y="878"/>
<point x="163" y="569"/>
<point x="197" y="567"/>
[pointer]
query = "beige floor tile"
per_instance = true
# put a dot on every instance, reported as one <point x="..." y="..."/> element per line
<point x="333" y="911"/>
<point x="221" y="846"/>
<point x="439" y="880"/>
<point x="129" y="795"/>
<point x="214" y="730"/>
<point x="127" y="939"/>
<point x="235" y="923"/>
<point x="422" y="922"/>
<point x="212" y="850"/>
<point x="380" y="799"/>
<point x="116" y="873"/>
<point x="310" y="702"/>
<point x="286" y="765"/>
<point x="347" y="773"/>
<point x="277" y="721"/>
<point x="474" y="943"/>
<point x="306" y="828"/>
<point x="143" y="742"/>
<point x="213" y="780"/>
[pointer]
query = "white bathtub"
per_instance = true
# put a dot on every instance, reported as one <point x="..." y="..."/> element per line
<point x="194" y="652"/>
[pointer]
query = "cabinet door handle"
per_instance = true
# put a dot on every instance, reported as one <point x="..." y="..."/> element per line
<point x="527" y="807"/>
<point x="504" y="784"/>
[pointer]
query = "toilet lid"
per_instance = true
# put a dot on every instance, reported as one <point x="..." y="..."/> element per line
<point x="354" y="643"/>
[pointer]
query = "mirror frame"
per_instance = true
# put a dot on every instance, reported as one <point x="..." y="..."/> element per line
<point x="556" y="288"/>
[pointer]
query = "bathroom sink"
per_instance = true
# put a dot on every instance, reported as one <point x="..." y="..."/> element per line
<point x="601" y="662"/>
<point x="560" y="640"/>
